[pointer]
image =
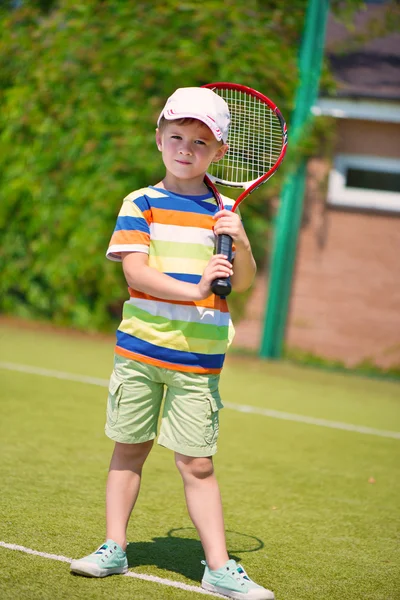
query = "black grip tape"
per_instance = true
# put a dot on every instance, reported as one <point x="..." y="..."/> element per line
<point x="223" y="287"/>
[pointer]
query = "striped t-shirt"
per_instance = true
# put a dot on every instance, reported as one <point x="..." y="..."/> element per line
<point x="177" y="233"/>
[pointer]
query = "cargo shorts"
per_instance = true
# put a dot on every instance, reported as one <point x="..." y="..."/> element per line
<point x="183" y="407"/>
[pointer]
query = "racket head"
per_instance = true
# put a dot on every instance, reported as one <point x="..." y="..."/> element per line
<point x="257" y="139"/>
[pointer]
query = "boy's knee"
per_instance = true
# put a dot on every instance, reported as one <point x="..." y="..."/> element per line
<point x="134" y="452"/>
<point x="198" y="467"/>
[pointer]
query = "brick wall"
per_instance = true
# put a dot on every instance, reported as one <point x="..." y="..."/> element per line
<point x="346" y="294"/>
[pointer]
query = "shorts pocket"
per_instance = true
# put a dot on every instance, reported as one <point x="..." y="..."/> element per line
<point x="212" y="426"/>
<point x="114" y="399"/>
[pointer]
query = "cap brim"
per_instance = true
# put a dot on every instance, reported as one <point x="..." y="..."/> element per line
<point x="187" y="115"/>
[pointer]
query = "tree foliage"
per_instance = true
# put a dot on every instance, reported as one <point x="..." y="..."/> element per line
<point x="82" y="84"/>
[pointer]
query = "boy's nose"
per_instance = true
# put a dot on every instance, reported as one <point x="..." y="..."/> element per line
<point x="185" y="149"/>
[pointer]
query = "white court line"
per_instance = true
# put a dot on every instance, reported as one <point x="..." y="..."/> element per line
<point x="276" y="414"/>
<point x="152" y="578"/>
<point x="266" y="412"/>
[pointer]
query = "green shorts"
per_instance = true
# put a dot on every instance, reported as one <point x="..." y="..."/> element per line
<point x="188" y="417"/>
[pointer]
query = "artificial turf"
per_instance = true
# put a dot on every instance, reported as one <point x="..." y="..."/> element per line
<point x="312" y="512"/>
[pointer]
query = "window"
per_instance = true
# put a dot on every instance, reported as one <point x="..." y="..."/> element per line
<point x="367" y="182"/>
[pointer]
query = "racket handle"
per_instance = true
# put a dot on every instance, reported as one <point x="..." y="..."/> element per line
<point x="223" y="286"/>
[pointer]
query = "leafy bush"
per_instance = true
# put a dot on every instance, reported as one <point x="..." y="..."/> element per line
<point x="82" y="84"/>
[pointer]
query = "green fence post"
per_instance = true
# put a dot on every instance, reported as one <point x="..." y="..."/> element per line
<point x="291" y="202"/>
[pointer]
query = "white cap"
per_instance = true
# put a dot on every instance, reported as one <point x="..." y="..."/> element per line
<point x="202" y="104"/>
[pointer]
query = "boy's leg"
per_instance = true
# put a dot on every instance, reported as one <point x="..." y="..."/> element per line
<point x="222" y="576"/>
<point x="204" y="504"/>
<point x="190" y="428"/>
<point x="123" y="486"/>
<point x="134" y="401"/>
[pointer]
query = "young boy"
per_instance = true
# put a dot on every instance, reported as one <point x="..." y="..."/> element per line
<point x="173" y="337"/>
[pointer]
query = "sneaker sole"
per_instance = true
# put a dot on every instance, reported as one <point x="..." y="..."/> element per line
<point x="251" y="595"/>
<point x="91" y="570"/>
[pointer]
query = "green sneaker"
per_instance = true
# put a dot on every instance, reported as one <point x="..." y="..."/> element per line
<point x="109" y="559"/>
<point x="232" y="580"/>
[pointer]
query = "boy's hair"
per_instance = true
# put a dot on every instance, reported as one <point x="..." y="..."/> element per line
<point x="184" y="121"/>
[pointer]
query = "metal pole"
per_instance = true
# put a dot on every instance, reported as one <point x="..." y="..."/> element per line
<point x="291" y="202"/>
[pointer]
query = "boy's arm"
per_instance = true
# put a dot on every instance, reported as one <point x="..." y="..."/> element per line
<point x="143" y="278"/>
<point x="244" y="268"/>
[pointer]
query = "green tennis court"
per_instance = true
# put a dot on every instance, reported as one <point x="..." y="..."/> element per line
<point x="308" y="465"/>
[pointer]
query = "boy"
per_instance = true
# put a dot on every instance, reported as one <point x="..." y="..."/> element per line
<point x="173" y="335"/>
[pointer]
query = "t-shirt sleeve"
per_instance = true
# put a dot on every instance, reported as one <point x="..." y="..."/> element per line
<point x="132" y="229"/>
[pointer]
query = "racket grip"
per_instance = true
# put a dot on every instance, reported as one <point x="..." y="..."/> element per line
<point x="223" y="286"/>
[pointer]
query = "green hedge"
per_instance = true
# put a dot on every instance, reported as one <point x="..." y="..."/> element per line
<point x="82" y="85"/>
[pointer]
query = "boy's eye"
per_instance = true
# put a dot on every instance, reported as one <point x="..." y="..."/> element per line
<point x="200" y="142"/>
<point x="176" y="137"/>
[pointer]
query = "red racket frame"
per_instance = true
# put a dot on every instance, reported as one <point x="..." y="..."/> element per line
<point x="251" y="92"/>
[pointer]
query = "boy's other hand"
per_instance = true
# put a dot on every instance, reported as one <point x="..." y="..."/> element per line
<point x="230" y="223"/>
<point x="219" y="266"/>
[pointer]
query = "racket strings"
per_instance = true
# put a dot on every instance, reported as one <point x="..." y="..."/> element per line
<point x="255" y="139"/>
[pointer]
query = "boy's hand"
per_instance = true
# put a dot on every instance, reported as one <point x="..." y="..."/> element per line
<point x="229" y="223"/>
<point x="218" y="267"/>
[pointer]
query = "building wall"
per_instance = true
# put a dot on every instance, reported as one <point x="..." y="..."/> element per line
<point x="368" y="137"/>
<point x="346" y="295"/>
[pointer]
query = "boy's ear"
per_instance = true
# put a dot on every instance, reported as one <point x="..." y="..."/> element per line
<point x="222" y="150"/>
<point x="158" y="139"/>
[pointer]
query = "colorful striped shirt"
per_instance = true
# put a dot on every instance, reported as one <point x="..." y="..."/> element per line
<point x="177" y="233"/>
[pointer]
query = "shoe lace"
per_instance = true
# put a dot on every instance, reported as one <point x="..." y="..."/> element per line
<point x="238" y="573"/>
<point x="105" y="551"/>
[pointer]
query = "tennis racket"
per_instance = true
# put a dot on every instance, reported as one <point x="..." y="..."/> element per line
<point x="257" y="146"/>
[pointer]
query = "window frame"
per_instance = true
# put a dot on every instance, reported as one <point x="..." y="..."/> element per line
<point x="352" y="197"/>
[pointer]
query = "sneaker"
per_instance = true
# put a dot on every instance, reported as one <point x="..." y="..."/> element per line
<point x="232" y="580"/>
<point x="109" y="559"/>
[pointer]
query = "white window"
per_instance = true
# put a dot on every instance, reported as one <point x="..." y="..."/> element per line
<point x="368" y="182"/>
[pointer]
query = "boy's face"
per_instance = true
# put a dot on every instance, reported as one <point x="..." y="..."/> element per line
<point x="188" y="149"/>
